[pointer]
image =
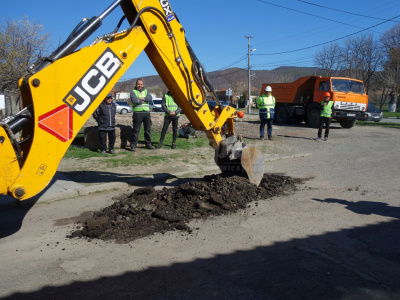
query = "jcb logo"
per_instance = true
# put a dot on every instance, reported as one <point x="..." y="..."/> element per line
<point x="93" y="82"/>
<point x="167" y="10"/>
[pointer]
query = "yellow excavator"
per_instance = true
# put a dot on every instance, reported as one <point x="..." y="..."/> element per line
<point x="60" y="92"/>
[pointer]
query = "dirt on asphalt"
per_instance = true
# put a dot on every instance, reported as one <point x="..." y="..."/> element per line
<point x="147" y="211"/>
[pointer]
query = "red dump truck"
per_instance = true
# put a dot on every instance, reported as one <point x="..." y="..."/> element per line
<point x="300" y="100"/>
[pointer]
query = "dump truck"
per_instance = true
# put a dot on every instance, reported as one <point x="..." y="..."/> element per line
<point x="61" y="91"/>
<point x="300" y="100"/>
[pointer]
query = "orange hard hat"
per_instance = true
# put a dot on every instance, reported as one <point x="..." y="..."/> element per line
<point x="327" y="94"/>
<point x="240" y="114"/>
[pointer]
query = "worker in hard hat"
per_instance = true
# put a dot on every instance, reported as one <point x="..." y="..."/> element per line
<point x="325" y="116"/>
<point x="266" y="104"/>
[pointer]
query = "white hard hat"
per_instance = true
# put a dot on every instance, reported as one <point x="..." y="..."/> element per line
<point x="268" y="89"/>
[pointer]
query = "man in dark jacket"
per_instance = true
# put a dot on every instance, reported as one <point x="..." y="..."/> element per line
<point x="172" y="112"/>
<point x="105" y="117"/>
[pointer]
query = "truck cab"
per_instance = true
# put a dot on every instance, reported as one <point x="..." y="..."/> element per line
<point x="300" y="100"/>
<point x="348" y="95"/>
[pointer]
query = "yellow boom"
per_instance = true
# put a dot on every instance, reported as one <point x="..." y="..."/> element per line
<point x="62" y="91"/>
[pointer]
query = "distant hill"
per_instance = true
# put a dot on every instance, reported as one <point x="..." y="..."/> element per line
<point x="235" y="77"/>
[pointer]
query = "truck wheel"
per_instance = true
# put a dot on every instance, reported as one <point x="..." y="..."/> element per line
<point x="347" y="123"/>
<point x="282" y="115"/>
<point x="124" y="111"/>
<point x="313" y="118"/>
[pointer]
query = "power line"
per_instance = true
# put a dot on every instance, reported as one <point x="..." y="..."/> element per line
<point x="293" y="60"/>
<point x="320" y="44"/>
<point x="347" y="12"/>
<point x="233" y="63"/>
<point x="302" y="12"/>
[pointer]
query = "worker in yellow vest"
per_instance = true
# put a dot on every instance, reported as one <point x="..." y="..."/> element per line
<point x="172" y="112"/>
<point x="325" y="116"/>
<point x="141" y="114"/>
<point x="266" y="104"/>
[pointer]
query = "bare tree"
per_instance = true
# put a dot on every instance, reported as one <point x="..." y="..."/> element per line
<point x="21" y="43"/>
<point x="283" y="77"/>
<point x="361" y="58"/>
<point x="329" y="59"/>
<point x="239" y="88"/>
<point x="391" y="46"/>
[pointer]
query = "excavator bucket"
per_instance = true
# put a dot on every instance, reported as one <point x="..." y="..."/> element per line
<point x="234" y="157"/>
<point x="253" y="163"/>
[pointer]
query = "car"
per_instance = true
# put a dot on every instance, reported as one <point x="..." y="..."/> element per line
<point x="123" y="107"/>
<point x="212" y="104"/>
<point x="373" y="113"/>
<point x="155" y="105"/>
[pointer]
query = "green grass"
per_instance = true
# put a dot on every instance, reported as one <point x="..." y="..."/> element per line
<point x="387" y="114"/>
<point x="81" y="153"/>
<point x="380" y="124"/>
<point x="141" y="157"/>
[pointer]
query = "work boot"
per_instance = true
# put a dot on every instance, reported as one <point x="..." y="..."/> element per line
<point x="132" y="148"/>
<point x="159" y="146"/>
<point x="151" y="147"/>
<point x="173" y="146"/>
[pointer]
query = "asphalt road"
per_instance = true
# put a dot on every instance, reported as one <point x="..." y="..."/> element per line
<point x="337" y="237"/>
<point x="391" y="120"/>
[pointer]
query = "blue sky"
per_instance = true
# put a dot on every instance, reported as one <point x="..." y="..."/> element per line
<point x="284" y="32"/>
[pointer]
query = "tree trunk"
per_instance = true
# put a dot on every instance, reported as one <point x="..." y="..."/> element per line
<point x="12" y="103"/>
<point x="398" y="104"/>
<point x="392" y="102"/>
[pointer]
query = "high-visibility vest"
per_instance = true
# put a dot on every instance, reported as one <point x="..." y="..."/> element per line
<point x="326" y="109"/>
<point x="140" y="107"/>
<point x="266" y="103"/>
<point x="171" y="104"/>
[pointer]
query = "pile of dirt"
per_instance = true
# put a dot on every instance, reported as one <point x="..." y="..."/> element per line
<point x="147" y="211"/>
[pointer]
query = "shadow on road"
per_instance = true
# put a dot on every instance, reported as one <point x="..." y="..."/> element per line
<point x="367" y="207"/>
<point x="93" y="177"/>
<point x="357" y="263"/>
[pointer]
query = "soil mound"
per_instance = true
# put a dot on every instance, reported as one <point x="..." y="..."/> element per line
<point x="147" y="211"/>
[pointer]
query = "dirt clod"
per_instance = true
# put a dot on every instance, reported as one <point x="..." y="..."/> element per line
<point x="147" y="211"/>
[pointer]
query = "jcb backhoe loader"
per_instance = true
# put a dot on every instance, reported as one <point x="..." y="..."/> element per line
<point x="60" y="93"/>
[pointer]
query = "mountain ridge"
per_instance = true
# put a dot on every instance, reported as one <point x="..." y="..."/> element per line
<point x="235" y="78"/>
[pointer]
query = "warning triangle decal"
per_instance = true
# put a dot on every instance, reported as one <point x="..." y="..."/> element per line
<point x="58" y="122"/>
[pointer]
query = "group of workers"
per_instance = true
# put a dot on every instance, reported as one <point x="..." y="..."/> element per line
<point x="105" y="116"/>
<point x="266" y="105"/>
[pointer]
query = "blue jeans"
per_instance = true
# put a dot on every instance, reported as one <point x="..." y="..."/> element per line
<point x="269" y="127"/>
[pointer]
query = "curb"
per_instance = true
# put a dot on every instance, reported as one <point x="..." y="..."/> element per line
<point x="7" y="202"/>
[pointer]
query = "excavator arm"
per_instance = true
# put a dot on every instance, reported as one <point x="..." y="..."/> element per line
<point x="62" y="91"/>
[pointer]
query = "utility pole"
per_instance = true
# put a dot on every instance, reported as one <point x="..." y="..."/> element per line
<point x="249" y="82"/>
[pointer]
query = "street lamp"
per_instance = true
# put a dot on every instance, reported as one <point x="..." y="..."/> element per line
<point x="249" y="82"/>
